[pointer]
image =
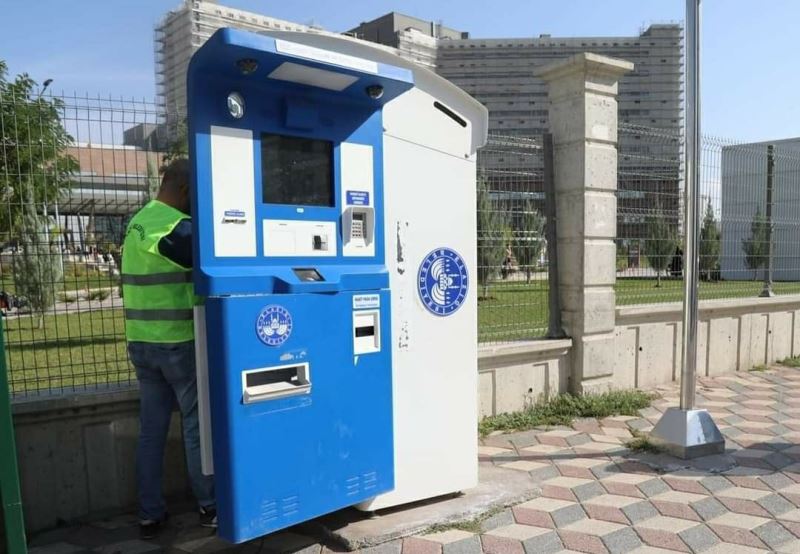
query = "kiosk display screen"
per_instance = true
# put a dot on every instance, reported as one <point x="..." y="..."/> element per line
<point x="296" y="170"/>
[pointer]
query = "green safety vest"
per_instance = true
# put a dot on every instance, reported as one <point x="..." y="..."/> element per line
<point x="157" y="293"/>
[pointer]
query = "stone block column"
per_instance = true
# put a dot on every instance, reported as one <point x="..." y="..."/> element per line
<point x="583" y="121"/>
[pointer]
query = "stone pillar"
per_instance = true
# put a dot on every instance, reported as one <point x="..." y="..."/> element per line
<point x="583" y="121"/>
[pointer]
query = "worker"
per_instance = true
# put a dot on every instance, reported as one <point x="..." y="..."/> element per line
<point x="159" y="298"/>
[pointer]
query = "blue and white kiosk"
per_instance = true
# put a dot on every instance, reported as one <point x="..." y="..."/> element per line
<point x="334" y="223"/>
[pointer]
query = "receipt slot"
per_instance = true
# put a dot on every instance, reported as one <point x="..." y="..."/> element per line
<point x="294" y="363"/>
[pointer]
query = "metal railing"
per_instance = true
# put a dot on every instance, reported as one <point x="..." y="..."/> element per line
<point x="750" y="202"/>
<point x="72" y="171"/>
<point x="512" y="250"/>
<point x="75" y="168"/>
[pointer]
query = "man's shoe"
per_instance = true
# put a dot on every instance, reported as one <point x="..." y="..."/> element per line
<point x="149" y="529"/>
<point x="208" y="517"/>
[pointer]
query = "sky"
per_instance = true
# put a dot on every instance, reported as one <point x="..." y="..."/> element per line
<point x="750" y="67"/>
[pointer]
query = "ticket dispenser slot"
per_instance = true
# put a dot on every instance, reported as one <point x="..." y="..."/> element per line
<point x="271" y="383"/>
<point x="366" y="332"/>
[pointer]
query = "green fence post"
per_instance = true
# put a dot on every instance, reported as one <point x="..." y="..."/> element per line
<point x="9" y="476"/>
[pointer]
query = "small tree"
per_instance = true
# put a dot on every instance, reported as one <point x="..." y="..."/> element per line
<point x="528" y="242"/>
<point x="35" y="166"/>
<point x="37" y="269"/>
<point x="709" y="245"/>
<point x="659" y="247"/>
<point x="151" y="179"/>
<point x="756" y="247"/>
<point x="490" y="236"/>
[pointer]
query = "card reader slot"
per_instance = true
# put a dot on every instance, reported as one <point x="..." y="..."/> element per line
<point x="271" y="383"/>
<point x="365" y="331"/>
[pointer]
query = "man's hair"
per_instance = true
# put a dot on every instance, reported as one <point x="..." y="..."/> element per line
<point x="176" y="176"/>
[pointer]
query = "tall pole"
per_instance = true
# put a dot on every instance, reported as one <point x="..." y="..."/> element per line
<point x="691" y="176"/>
<point x="767" y="292"/>
<point x="686" y="431"/>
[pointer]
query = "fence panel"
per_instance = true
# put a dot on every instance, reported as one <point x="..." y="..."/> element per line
<point x="744" y="212"/>
<point x="72" y="170"/>
<point x="512" y="251"/>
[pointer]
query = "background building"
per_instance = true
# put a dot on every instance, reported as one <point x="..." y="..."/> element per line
<point x="499" y="73"/>
<point x="183" y="30"/>
<point x="743" y="190"/>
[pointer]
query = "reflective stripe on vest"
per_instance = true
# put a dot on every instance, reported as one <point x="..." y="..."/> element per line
<point x="157" y="278"/>
<point x="159" y="315"/>
<point x="157" y="293"/>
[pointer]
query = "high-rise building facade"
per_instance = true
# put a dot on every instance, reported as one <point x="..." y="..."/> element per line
<point x="499" y="71"/>
<point x="183" y="30"/>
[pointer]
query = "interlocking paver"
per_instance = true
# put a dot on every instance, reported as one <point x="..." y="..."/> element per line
<point x="548" y="512"/>
<point x="773" y="534"/>
<point x="596" y="496"/>
<point x="699" y="538"/>
<point x="419" y="545"/>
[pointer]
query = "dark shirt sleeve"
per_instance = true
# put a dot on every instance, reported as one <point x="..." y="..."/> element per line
<point x="177" y="246"/>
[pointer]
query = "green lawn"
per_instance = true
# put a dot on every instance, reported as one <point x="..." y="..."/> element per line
<point x="644" y="291"/>
<point x="76" y="277"/>
<point x="513" y="311"/>
<point x="77" y="350"/>
<point x="81" y="350"/>
<point x="516" y="310"/>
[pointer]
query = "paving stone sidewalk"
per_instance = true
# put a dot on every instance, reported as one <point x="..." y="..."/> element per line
<point x="596" y="495"/>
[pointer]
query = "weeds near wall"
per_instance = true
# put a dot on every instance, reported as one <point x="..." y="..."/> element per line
<point x="564" y="409"/>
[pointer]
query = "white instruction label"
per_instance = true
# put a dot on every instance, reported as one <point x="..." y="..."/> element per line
<point x="364" y="301"/>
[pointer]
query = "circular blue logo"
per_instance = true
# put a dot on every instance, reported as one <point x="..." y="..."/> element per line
<point x="274" y="325"/>
<point x="443" y="281"/>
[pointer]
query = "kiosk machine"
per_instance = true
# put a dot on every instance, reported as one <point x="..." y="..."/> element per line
<point x="333" y="207"/>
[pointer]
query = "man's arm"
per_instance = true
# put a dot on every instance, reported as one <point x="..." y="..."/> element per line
<point x="177" y="246"/>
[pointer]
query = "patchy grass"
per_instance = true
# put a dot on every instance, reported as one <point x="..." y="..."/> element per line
<point x="641" y="443"/>
<point x="791" y="362"/>
<point x="758" y="368"/>
<point x="474" y="525"/>
<point x="564" y="409"/>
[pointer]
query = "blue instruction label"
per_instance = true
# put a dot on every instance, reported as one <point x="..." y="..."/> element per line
<point x="357" y="198"/>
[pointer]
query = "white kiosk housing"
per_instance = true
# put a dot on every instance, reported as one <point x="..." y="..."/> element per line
<point x="431" y="137"/>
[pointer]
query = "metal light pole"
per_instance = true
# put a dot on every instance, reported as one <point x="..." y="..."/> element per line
<point x="767" y="292"/>
<point x="686" y="431"/>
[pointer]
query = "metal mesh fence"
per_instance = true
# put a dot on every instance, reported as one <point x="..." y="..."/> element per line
<point x="72" y="171"/>
<point x="750" y="206"/>
<point x="512" y="251"/>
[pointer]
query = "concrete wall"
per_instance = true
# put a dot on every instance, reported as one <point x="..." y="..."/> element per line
<point x="77" y="456"/>
<point x="733" y="335"/>
<point x="513" y="376"/>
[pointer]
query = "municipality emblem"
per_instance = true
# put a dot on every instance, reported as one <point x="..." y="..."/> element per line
<point x="274" y="325"/>
<point x="442" y="281"/>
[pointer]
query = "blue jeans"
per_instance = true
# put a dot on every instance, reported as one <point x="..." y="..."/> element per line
<point x="166" y="373"/>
